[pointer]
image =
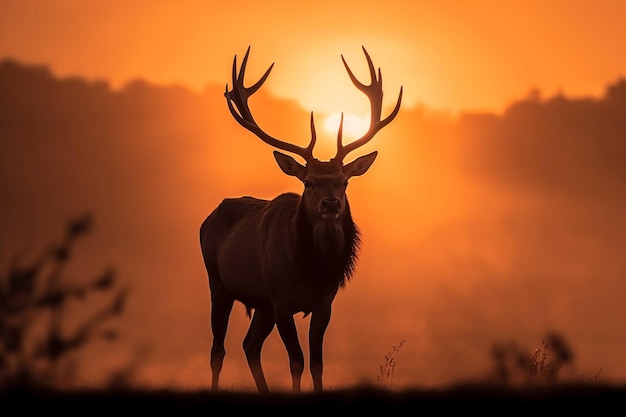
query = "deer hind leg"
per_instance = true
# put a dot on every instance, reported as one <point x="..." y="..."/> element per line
<point x="289" y="335"/>
<point x="319" y="323"/>
<point x="260" y="327"/>
<point x="221" y="306"/>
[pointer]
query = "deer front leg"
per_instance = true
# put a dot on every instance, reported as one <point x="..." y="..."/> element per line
<point x="319" y="323"/>
<point x="289" y="335"/>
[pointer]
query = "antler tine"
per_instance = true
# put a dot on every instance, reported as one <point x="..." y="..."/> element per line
<point x="340" y="133"/>
<point x="237" y="100"/>
<point x="309" y="148"/>
<point x="374" y="92"/>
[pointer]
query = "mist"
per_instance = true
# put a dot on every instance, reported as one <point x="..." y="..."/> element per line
<point x="477" y="230"/>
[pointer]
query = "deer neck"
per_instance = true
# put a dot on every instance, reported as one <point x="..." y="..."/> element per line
<point x="328" y="247"/>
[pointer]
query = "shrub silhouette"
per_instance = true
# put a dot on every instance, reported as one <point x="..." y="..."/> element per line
<point x="33" y="310"/>
<point x="513" y="365"/>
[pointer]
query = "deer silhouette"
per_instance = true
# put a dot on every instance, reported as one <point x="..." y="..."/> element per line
<point x="291" y="254"/>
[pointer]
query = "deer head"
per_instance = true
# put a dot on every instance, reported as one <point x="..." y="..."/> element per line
<point x="325" y="182"/>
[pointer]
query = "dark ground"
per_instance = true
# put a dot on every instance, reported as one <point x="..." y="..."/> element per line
<point x="595" y="398"/>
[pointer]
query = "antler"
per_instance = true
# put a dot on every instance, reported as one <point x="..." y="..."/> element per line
<point x="241" y="112"/>
<point x="374" y="92"/>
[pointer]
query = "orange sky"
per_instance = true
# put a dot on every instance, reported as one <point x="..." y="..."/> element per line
<point x="469" y="240"/>
<point x="448" y="55"/>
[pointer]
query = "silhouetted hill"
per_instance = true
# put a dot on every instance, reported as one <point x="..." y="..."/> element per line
<point x="555" y="146"/>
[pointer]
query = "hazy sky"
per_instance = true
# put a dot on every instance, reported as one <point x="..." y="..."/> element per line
<point x="477" y="55"/>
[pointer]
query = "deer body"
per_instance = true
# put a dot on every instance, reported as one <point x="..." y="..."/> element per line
<point x="260" y="245"/>
<point x="287" y="255"/>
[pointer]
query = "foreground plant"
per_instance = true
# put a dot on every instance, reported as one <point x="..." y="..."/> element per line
<point x="34" y="303"/>
<point x="385" y="377"/>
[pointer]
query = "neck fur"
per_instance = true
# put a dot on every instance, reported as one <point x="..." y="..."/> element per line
<point x="330" y="247"/>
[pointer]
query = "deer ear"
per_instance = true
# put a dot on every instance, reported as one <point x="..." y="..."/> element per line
<point x="290" y="166"/>
<point x="360" y="165"/>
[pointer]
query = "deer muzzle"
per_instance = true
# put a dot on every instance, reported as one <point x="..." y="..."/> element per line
<point x="330" y="208"/>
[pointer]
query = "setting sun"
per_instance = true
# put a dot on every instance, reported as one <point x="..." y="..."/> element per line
<point x="353" y="126"/>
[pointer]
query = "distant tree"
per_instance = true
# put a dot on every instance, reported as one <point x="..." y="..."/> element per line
<point x="33" y="310"/>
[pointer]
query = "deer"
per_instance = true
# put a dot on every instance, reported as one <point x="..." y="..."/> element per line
<point x="291" y="254"/>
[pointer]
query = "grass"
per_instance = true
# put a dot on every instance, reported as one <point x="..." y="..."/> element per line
<point x="476" y="396"/>
<point x="540" y="388"/>
<point x="385" y="377"/>
<point x="538" y="370"/>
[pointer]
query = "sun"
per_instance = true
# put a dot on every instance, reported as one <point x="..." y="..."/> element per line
<point x="353" y="126"/>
